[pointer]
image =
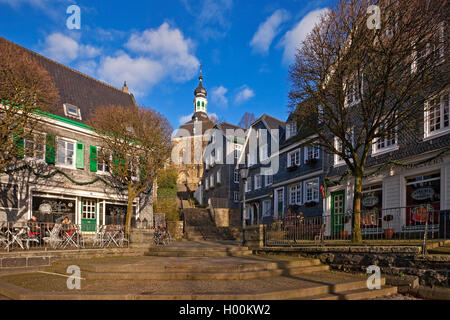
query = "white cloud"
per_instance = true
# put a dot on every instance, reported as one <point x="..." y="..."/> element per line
<point x="244" y="94"/>
<point x="16" y="3"/>
<point x="184" y="119"/>
<point x="65" y="49"/>
<point x="267" y="31"/>
<point x="168" y="46"/>
<point x="218" y="96"/>
<point x="61" y="48"/>
<point x="140" y="73"/>
<point x="293" y="39"/>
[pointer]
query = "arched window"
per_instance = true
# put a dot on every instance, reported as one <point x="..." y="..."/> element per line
<point x="203" y="104"/>
<point x="198" y="103"/>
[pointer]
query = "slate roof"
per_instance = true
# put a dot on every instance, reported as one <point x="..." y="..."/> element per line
<point x="189" y="126"/>
<point x="77" y="88"/>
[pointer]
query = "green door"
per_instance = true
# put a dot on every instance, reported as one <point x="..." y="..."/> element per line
<point x="280" y="203"/>
<point x="337" y="210"/>
<point x="88" y="215"/>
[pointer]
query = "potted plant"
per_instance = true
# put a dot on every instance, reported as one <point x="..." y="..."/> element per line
<point x="389" y="232"/>
<point x="345" y="219"/>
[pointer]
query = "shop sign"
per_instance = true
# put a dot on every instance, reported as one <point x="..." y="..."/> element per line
<point x="422" y="193"/>
<point x="370" y="201"/>
<point x="420" y="213"/>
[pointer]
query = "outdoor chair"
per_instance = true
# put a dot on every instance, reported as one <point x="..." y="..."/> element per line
<point x="70" y="237"/>
<point x="54" y="239"/>
<point x="3" y="240"/>
<point x="100" y="236"/>
<point x="18" y="238"/>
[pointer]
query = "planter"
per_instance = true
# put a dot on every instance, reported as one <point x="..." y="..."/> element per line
<point x="388" y="233"/>
<point x="344" y="234"/>
<point x="292" y="168"/>
<point x="312" y="161"/>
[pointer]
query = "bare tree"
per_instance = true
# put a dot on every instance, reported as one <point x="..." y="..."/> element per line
<point x="135" y="144"/>
<point x="26" y="89"/>
<point x="355" y="80"/>
<point x="246" y="120"/>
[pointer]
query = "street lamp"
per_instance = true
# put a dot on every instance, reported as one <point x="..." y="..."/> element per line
<point x="244" y="175"/>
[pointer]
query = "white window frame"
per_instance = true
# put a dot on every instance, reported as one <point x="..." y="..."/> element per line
<point x="296" y="161"/>
<point x="211" y="181"/>
<point x="66" y="141"/>
<point x="443" y="129"/>
<point x="316" y="149"/>
<point x="268" y="179"/>
<point x="297" y="189"/>
<point x="291" y="129"/>
<point x="206" y="183"/>
<point x="248" y="185"/>
<point x="102" y="171"/>
<point x="236" y="176"/>
<point x="237" y="150"/>
<point x="76" y="115"/>
<point x="266" y="208"/>
<point x="34" y="156"/>
<point x="376" y="150"/>
<point x="355" y="98"/>
<point x="264" y="152"/>
<point x="306" y="188"/>
<point x="258" y="181"/>
<point x="338" y="161"/>
<point x="218" y="176"/>
<point x="236" y="196"/>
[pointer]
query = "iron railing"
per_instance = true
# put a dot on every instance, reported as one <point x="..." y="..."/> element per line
<point x="59" y="236"/>
<point x="407" y="224"/>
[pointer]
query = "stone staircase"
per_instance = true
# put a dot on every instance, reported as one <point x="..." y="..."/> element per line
<point x="220" y="271"/>
<point x="199" y="226"/>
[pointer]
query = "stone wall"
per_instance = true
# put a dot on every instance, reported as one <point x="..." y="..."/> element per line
<point x="254" y="237"/>
<point x="431" y="270"/>
<point x="175" y="229"/>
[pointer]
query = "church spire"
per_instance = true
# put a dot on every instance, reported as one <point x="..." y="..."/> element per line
<point x="200" y="93"/>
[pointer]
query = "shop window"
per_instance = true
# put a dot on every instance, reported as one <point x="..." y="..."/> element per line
<point x="371" y="208"/>
<point x="423" y="197"/>
<point x="52" y="210"/>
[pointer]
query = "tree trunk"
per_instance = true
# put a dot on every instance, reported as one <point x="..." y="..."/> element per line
<point x="356" y="215"/>
<point x="129" y="214"/>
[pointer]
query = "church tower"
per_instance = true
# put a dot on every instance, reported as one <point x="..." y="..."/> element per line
<point x="200" y="93"/>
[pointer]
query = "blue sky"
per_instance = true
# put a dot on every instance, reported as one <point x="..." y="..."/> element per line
<point x="245" y="48"/>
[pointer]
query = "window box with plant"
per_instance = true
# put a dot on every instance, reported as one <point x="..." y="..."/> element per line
<point x="311" y="161"/>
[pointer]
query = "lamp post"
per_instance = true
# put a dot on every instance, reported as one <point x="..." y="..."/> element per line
<point x="244" y="175"/>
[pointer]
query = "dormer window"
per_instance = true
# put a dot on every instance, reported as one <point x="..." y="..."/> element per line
<point x="72" y="111"/>
<point x="291" y="129"/>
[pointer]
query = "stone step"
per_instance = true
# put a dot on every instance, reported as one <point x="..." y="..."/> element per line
<point x="198" y="253"/>
<point x="169" y="276"/>
<point x="177" y="248"/>
<point x="359" y="294"/>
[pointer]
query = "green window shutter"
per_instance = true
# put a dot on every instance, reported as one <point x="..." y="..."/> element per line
<point x="50" y="148"/>
<point x="93" y="159"/>
<point x="80" y="155"/>
<point x="20" y="145"/>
